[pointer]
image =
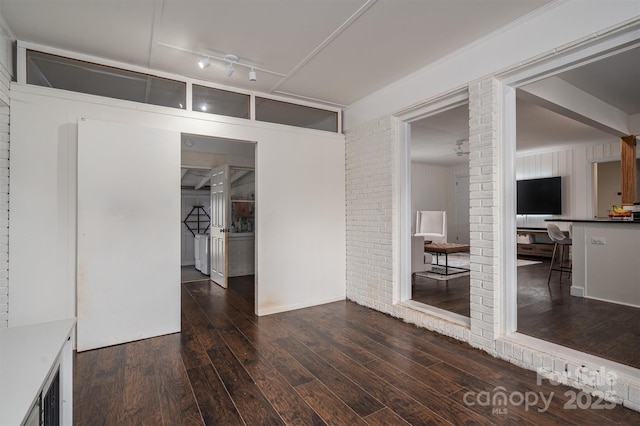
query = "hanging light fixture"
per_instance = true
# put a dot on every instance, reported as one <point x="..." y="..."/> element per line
<point x="204" y="62"/>
<point x="252" y="75"/>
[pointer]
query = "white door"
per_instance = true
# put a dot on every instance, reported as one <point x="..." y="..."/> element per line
<point x="128" y="263"/>
<point x="462" y="210"/>
<point x="219" y="224"/>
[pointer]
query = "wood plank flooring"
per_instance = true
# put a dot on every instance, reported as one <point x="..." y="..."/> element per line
<point x="335" y="364"/>
<point x="607" y="330"/>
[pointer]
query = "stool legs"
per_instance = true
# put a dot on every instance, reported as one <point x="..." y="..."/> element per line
<point x="560" y="268"/>
<point x="553" y="256"/>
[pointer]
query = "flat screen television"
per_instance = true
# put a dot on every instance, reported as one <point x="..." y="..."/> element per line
<point x="540" y="196"/>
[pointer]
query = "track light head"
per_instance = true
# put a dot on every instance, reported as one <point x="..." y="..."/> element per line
<point x="232" y="59"/>
<point x="252" y="75"/>
<point x="229" y="70"/>
<point x="204" y="63"/>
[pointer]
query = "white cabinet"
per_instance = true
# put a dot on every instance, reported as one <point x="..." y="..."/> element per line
<point x="241" y="254"/>
<point x="30" y="358"/>
<point x="201" y="250"/>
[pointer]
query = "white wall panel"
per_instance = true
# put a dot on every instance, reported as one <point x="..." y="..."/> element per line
<point x="301" y="227"/>
<point x="128" y="254"/>
<point x="431" y="189"/>
<point x="574" y="165"/>
<point x="300" y="201"/>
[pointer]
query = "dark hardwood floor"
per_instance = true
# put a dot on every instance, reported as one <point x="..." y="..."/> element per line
<point x="607" y="330"/>
<point x="335" y="364"/>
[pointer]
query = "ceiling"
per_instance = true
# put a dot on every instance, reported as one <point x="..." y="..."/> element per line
<point x="201" y="153"/>
<point x="335" y="52"/>
<point x="614" y="80"/>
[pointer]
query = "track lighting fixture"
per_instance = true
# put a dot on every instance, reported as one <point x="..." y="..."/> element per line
<point x="232" y="59"/>
<point x="204" y="62"/>
<point x="229" y="70"/>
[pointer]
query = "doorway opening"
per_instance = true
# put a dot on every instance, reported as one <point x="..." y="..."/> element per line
<point x="552" y="139"/>
<point x="218" y="227"/>
<point x="438" y="178"/>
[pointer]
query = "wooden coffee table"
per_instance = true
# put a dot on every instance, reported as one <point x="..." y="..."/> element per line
<point x="446" y="249"/>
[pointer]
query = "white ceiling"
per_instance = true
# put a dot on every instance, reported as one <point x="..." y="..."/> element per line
<point x="332" y="51"/>
<point x="614" y="80"/>
<point x="201" y="153"/>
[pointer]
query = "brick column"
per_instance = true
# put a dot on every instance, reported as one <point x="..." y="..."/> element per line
<point x="485" y="218"/>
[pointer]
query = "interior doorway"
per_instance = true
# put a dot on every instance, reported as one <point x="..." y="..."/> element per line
<point x="607" y="178"/>
<point x="438" y="166"/>
<point x="235" y="253"/>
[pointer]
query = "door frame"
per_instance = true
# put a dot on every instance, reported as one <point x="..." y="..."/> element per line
<point x="402" y="287"/>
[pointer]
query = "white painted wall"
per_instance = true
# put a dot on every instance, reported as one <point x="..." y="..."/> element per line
<point x="300" y="198"/>
<point x="301" y="230"/>
<point x="611" y="271"/>
<point x="575" y="166"/>
<point x="433" y="188"/>
<point x="128" y="240"/>
<point x="564" y="22"/>
<point x="6" y="73"/>
<point x="430" y="190"/>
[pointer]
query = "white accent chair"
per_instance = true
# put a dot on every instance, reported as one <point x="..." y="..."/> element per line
<point x="420" y="261"/>
<point x="432" y="226"/>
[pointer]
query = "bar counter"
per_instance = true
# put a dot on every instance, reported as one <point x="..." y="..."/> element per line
<point x="606" y="260"/>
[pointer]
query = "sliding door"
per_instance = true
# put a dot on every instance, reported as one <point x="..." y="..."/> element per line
<point x="128" y="267"/>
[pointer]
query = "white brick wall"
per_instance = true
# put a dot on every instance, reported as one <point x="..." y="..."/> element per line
<point x="484" y="215"/>
<point x="370" y="178"/>
<point x="373" y="239"/>
<point x="372" y="225"/>
<point x="4" y="196"/>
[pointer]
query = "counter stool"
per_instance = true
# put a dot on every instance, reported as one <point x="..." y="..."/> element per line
<point x="559" y="239"/>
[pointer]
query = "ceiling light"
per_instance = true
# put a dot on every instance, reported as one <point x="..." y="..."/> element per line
<point x="252" y="75"/>
<point x="204" y="62"/>
<point x="229" y="71"/>
<point x="232" y="59"/>
<point x="459" y="149"/>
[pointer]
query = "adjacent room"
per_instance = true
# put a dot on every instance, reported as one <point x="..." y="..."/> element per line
<point x="200" y="158"/>
<point x="555" y="150"/>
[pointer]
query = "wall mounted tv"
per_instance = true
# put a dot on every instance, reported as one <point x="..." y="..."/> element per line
<point x="540" y="196"/>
